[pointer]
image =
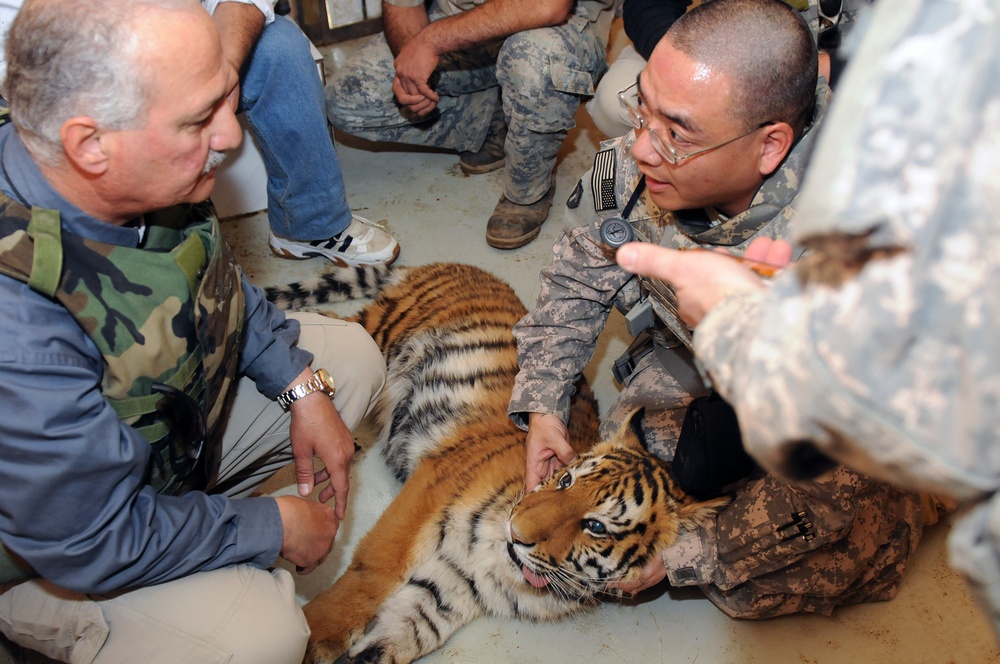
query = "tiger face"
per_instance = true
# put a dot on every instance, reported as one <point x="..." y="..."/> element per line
<point x="601" y="519"/>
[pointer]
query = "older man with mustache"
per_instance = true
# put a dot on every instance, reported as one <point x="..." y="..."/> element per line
<point x="148" y="387"/>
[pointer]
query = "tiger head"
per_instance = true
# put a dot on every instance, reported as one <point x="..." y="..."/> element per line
<point x="602" y="519"/>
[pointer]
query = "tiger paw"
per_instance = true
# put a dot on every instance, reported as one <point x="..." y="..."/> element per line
<point x="325" y="652"/>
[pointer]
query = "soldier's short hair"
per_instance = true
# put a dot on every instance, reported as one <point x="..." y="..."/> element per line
<point x="766" y="49"/>
<point x="67" y="58"/>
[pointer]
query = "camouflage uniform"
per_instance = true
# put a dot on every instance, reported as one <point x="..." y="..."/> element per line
<point x="541" y="76"/>
<point x="889" y="364"/>
<point x="780" y="547"/>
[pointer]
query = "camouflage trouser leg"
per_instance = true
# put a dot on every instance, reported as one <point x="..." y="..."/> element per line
<point x="359" y="99"/>
<point x="544" y="74"/>
<point x="651" y="387"/>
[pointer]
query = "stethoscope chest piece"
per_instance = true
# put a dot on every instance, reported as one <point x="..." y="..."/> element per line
<point x="616" y="231"/>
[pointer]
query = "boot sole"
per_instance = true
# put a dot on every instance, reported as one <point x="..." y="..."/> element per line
<point x="512" y="243"/>
<point x="470" y="169"/>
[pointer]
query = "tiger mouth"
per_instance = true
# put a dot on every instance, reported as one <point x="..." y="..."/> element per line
<point x="535" y="579"/>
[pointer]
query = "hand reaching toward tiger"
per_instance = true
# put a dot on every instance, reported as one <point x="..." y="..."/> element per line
<point x="547" y="448"/>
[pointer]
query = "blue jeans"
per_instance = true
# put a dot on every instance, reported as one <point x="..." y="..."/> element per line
<point x="282" y="95"/>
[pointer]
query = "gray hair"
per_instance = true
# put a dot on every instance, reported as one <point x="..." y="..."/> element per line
<point x="67" y="58"/>
<point x="766" y="49"/>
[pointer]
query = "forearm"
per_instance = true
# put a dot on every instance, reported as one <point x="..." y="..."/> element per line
<point x="269" y="354"/>
<point x="789" y="361"/>
<point x="495" y="19"/>
<point x="401" y="24"/>
<point x="557" y="339"/>
<point x="239" y="27"/>
<point x="75" y="505"/>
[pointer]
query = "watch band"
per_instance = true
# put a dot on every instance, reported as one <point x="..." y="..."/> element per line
<point x="321" y="381"/>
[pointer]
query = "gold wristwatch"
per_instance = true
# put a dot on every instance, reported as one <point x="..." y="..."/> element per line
<point x="321" y="381"/>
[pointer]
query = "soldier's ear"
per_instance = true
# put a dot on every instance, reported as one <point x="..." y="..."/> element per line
<point x="778" y="139"/>
<point x="81" y="138"/>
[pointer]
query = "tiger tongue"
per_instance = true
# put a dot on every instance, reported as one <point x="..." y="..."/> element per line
<point x="536" y="580"/>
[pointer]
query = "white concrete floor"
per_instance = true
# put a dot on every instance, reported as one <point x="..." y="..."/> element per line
<point x="439" y="214"/>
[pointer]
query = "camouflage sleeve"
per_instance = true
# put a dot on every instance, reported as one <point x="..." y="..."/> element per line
<point x="269" y="355"/>
<point x="556" y="341"/>
<point x="786" y="547"/>
<point x="888" y="362"/>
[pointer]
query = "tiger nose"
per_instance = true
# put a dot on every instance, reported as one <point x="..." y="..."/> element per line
<point x="516" y="538"/>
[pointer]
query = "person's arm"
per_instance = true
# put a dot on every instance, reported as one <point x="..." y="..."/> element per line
<point x="646" y="21"/>
<point x="73" y="500"/>
<point x="417" y="59"/>
<point x="401" y="23"/>
<point x="266" y="7"/>
<point x="555" y="343"/>
<point x="556" y="340"/>
<point x="272" y="359"/>
<point x="269" y="354"/>
<point x="240" y="25"/>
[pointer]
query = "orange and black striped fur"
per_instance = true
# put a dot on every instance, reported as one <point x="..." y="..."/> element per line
<point x="460" y="540"/>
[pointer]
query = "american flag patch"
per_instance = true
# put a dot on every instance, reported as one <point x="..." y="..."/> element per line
<point x="603" y="181"/>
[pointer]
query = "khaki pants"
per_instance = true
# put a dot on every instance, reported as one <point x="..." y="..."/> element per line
<point x="234" y="614"/>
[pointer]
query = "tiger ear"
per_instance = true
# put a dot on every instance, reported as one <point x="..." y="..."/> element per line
<point x="632" y="434"/>
<point x="700" y="514"/>
<point x="628" y="437"/>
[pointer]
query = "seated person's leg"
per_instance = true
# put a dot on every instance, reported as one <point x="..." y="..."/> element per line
<point x="605" y="109"/>
<point x="544" y="74"/>
<point x="282" y="95"/>
<point x="256" y="440"/>
<point x="664" y="399"/>
<point x="238" y="613"/>
<point x="360" y="101"/>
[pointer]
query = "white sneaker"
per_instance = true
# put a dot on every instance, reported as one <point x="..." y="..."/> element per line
<point x="361" y="243"/>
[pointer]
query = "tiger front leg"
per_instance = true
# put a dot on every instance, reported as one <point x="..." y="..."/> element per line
<point x="337" y="617"/>
<point x="381" y="564"/>
<point x="419" y="618"/>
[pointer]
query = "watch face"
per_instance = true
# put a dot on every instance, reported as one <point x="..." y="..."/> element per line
<point x="327" y="380"/>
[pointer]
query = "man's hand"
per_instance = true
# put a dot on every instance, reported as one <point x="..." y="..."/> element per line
<point x="702" y="278"/>
<point x="548" y="448"/>
<point x="415" y="63"/>
<point x="318" y="431"/>
<point x="309" y="530"/>
<point x="652" y="574"/>
<point x="403" y="26"/>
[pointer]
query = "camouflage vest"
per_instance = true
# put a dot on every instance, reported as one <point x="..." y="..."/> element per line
<point x="167" y="319"/>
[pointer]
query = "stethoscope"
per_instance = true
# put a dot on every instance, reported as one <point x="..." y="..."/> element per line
<point x="616" y="231"/>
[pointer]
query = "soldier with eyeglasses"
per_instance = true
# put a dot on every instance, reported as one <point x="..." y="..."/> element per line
<point x="724" y="114"/>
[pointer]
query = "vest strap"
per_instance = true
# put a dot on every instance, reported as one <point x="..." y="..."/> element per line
<point x="46" y="266"/>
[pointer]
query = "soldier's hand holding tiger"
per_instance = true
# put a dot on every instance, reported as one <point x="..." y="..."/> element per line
<point x="547" y="448"/>
<point x="654" y="572"/>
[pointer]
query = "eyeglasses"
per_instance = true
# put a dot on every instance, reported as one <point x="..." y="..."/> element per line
<point x="660" y="144"/>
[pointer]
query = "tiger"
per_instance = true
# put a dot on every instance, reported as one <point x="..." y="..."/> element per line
<point x="462" y="540"/>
